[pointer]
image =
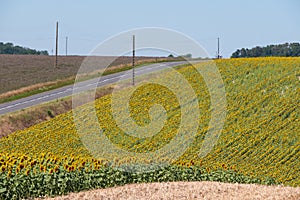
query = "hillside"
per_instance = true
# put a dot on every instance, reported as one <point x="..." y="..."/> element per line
<point x="260" y="141"/>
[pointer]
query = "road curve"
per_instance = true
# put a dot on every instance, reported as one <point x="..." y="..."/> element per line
<point x="68" y="90"/>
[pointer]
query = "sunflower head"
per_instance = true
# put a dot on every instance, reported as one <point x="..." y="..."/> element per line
<point x="17" y="170"/>
<point x="56" y="168"/>
<point x="21" y="166"/>
<point x="3" y="169"/>
<point x="27" y="172"/>
<point x="8" y="174"/>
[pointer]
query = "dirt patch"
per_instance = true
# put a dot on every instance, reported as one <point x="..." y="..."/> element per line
<point x="188" y="190"/>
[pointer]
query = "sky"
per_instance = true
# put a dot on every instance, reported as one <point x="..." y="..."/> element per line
<point x="87" y="23"/>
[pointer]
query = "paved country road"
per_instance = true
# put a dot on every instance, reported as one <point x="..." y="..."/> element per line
<point x="82" y="86"/>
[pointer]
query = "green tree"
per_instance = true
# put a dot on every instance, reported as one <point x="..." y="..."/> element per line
<point x="9" y="48"/>
<point x="286" y="49"/>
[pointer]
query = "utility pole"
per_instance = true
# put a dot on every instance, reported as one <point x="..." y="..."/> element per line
<point x="218" y="54"/>
<point x="66" y="45"/>
<point x="56" y="44"/>
<point x="133" y="57"/>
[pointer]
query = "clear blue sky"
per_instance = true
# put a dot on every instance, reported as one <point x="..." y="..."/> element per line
<point x="238" y="23"/>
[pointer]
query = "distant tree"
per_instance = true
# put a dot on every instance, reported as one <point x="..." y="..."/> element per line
<point x="257" y="51"/>
<point x="236" y="54"/>
<point x="171" y="56"/>
<point x="243" y="53"/>
<point x="9" y="48"/>
<point x="287" y="50"/>
<point x="44" y="53"/>
<point x="188" y="55"/>
<point x="294" y="49"/>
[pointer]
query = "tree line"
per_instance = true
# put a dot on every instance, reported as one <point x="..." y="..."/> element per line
<point x="9" y="48"/>
<point x="287" y="50"/>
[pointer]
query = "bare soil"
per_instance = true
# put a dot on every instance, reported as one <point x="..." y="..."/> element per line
<point x="188" y="190"/>
<point x="21" y="71"/>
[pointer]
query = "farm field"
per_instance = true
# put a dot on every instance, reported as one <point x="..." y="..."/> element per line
<point x="27" y="73"/>
<point x="260" y="141"/>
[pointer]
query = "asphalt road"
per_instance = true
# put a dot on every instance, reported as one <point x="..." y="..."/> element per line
<point x="82" y="86"/>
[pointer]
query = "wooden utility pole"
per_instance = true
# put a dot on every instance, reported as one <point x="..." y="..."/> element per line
<point x="133" y="57"/>
<point x="66" y="45"/>
<point x="56" y="44"/>
<point x="218" y="54"/>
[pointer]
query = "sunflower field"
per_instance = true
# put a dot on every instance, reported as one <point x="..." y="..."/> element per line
<point x="259" y="142"/>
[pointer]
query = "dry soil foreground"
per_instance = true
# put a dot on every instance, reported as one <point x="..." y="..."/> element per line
<point x="189" y="190"/>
